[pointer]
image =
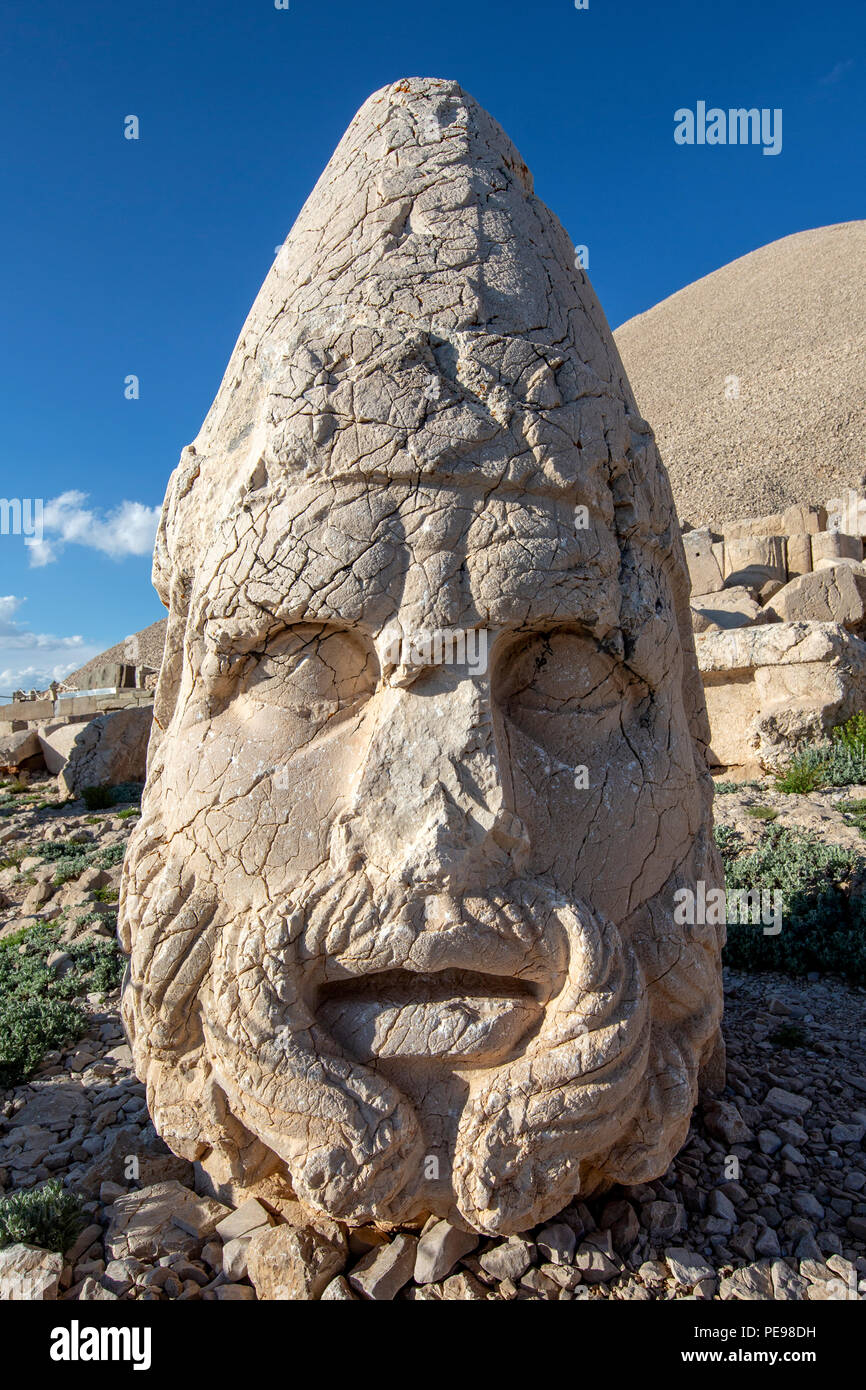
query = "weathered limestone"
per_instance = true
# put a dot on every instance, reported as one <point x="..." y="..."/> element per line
<point x="754" y="561"/>
<point x="702" y="559"/>
<point x="799" y="555"/>
<point x="293" y="1262"/>
<point x="152" y="1219"/>
<point x="28" y="1274"/>
<point x="792" y="521"/>
<point x="108" y="750"/>
<point x="768" y="687"/>
<point x="57" y="741"/>
<point x="17" y="749"/>
<point x="385" y="945"/>
<point x="833" y="594"/>
<point x="847" y="513"/>
<point x="835" y="545"/>
<point x="736" y="607"/>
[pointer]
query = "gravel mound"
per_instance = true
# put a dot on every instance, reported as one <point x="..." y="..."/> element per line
<point x="141" y="649"/>
<point x="789" y="322"/>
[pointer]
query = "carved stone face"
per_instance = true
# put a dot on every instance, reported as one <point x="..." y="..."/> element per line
<point x="429" y="772"/>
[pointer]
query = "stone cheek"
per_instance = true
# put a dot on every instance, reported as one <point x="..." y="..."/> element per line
<point x="428" y="765"/>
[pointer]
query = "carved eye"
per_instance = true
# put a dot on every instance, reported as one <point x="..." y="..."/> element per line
<point x="312" y="674"/>
<point x="565" y="693"/>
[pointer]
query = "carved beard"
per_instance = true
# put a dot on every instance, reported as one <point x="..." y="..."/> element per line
<point x="222" y="1007"/>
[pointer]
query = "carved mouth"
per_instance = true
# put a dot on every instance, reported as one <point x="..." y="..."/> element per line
<point x="459" y="1015"/>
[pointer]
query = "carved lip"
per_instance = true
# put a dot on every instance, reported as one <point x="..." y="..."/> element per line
<point x="458" y="1015"/>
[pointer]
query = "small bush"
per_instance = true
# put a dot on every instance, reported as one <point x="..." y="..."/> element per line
<point x="727" y="840"/>
<point x="806" y="772"/>
<point x="761" y="812"/>
<point x="789" y="1035"/>
<point x="724" y="788"/>
<point x="854" y="813"/>
<point x="845" y="765"/>
<point x="823" y="928"/>
<point x="130" y="811"/>
<point x="108" y="857"/>
<point x="31" y="1027"/>
<point x="852" y="734"/>
<point x="96" y="798"/>
<point x="37" y="1012"/>
<point x="127" y="791"/>
<point x="52" y="850"/>
<point x="48" y="1217"/>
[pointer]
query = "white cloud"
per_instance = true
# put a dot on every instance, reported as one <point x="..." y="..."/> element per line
<point x="129" y="529"/>
<point x="34" y="659"/>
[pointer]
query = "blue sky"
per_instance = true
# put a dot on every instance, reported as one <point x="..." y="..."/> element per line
<point x="143" y="257"/>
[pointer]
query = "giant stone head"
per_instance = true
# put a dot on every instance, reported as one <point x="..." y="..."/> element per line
<point x="428" y="757"/>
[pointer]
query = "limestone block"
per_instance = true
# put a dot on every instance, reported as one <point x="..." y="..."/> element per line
<point x="754" y="561"/>
<point x="143" y="1223"/>
<point x="715" y="612"/>
<point x="29" y="1274"/>
<point x="832" y="594"/>
<point x="800" y="520"/>
<point x="833" y="545"/>
<point x="109" y="749"/>
<point x="847" y="514"/>
<point x="768" y="686"/>
<point x="18" y="748"/>
<point x="799" y="554"/>
<point x="293" y="1263"/>
<point x="704" y="571"/>
<point x="369" y="925"/>
<point x="794" y="519"/>
<point x="57" y="741"/>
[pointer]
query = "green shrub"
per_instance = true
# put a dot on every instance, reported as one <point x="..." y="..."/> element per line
<point x="130" y="811"/>
<point x="52" y="850"/>
<point x="108" y="857"/>
<point x="31" y="1027"/>
<point x="96" y="798"/>
<point x="822" y="927"/>
<point x="127" y="791"/>
<point x="806" y="772"/>
<point x="761" y="812"/>
<point x="839" y="762"/>
<point x="69" y="869"/>
<point x="845" y="765"/>
<point x="72" y="859"/>
<point x="854" y="813"/>
<point x="727" y="840"/>
<point x="49" y="1217"/>
<point x="37" y="1012"/>
<point x="852" y="734"/>
<point x="789" y="1035"/>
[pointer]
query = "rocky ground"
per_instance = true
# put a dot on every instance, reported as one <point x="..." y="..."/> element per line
<point x="767" y="1200"/>
<point x="815" y="813"/>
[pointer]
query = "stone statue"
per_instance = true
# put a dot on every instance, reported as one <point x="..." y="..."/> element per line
<point x="428" y="763"/>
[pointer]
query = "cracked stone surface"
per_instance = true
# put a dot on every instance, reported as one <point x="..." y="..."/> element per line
<point x="429" y="749"/>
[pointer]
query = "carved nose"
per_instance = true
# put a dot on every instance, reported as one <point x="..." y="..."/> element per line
<point x="430" y="808"/>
